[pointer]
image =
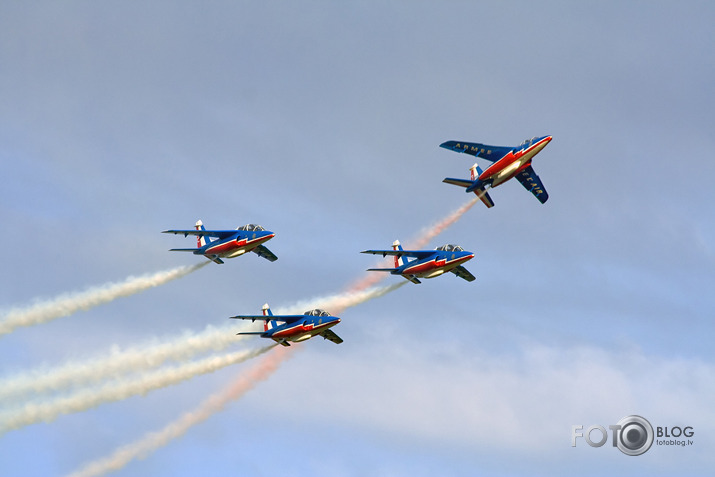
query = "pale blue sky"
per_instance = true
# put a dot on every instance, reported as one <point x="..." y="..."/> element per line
<point x="321" y="121"/>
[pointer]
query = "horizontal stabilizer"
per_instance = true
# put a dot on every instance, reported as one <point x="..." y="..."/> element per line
<point x="458" y="182"/>
<point x="484" y="197"/>
<point x="412" y="278"/>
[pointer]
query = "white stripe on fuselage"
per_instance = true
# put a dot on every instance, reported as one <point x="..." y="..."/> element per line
<point x="508" y="172"/>
<point x="297" y="337"/>
<point x="437" y="270"/>
<point x="240" y="250"/>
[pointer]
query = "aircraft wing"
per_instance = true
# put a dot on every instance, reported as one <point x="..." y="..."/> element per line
<point x="532" y="183"/>
<point x="284" y="318"/>
<point x="262" y="251"/>
<point x="406" y="253"/>
<point x="490" y="153"/>
<point x="462" y="272"/>
<point x="203" y="233"/>
<point x="330" y="335"/>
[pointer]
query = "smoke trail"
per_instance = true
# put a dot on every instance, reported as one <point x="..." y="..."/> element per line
<point x="428" y="233"/>
<point x="215" y="403"/>
<point x="120" y="389"/>
<point x="69" y="303"/>
<point x="181" y="348"/>
<point x="117" y="362"/>
<point x="337" y="304"/>
<point x="186" y="346"/>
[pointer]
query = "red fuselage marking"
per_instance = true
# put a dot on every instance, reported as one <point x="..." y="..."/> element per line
<point x="301" y="329"/>
<point x="435" y="264"/>
<point x="510" y="158"/>
<point x="231" y="245"/>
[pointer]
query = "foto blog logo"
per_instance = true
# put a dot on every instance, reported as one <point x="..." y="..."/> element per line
<point x="633" y="435"/>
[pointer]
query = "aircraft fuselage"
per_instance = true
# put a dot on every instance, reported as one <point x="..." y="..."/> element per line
<point x="301" y="330"/>
<point x="235" y="246"/>
<point x="436" y="266"/>
<point x="512" y="163"/>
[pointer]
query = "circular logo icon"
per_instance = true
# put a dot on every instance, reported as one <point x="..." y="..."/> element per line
<point x="635" y="435"/>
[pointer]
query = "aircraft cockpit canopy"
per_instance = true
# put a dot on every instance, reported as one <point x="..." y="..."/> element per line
<point x="251" y="228"/>
<point x="317" y="312"/>
<point x="528" y="142"/>
<point x="450" y="248"/>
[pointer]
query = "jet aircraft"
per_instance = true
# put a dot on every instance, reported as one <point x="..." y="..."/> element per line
<point x="295" y="328"/>
<point x="426" y="263"/>
<point x="228" y="243"/>
<point x="507" y="162"/>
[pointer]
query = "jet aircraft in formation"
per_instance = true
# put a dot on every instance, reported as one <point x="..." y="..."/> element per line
<point x="228" y="243"/>
<point x="426" y="263"/>
<point x="507" y="162"/>
<point x="295" y="328"/>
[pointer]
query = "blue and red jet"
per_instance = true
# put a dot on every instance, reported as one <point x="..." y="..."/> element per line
<point x="228" y="243"/>
<point x="295" y="328"/>
<point x="426" y="263"/>
<point x="507" y="162"/>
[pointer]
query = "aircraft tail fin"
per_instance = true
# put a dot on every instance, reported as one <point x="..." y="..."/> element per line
<point x="475" y="171"/>
<point x="268" y="325"/>
<point x="200" y="239"/>
<point x="399" y="261"/>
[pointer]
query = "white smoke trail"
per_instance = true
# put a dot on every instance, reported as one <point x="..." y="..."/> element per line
<point x="90" y="397"/>
<point x="117" y="390"/>
<point x="357" y="293"/>
<point x="140" y="358"/>
<point x="214" y="403"/>
<point x="82" y="372"/>
<point x="69" y="303"/>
